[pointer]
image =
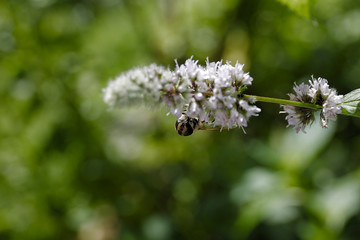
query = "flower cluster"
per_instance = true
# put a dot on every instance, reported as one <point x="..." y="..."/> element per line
<point x="143" y="85"/>
<point x="319" y="93"/>
<point x="211" y="93"/>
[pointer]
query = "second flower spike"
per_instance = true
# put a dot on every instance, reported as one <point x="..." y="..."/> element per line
<point x="318" y="93"/>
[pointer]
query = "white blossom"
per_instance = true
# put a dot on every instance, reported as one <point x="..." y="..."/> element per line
<point x="210" y="93"/>
<point x="319" y="93"/>
<point x="326" y="97"/>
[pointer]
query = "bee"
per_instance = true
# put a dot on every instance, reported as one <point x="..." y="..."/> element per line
<point x="185" y="125"/>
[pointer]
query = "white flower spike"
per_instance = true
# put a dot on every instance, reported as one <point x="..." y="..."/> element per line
<point x="319" y="93"/>
<point x="210" y="93"/>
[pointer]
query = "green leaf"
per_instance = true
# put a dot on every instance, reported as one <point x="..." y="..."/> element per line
<point x="301" y="7"/>
<point x="351" y="102"/>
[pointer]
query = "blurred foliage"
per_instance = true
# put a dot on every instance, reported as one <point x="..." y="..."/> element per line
<point x="301" y="7"/>
<point x="71" y="169"/>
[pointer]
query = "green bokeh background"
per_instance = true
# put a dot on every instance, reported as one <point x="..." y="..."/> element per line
<point x="72" y="169"/>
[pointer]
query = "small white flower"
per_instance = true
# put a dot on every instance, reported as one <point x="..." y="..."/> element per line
<point x="326" y="97"/>
<point x="319" y="86"/>
<point x="298" y="117"/>
<point x="221" y="118"/>
<point x="331" y="106"/>
<point x="212" y="102"/>
<point x="251" y="110"/>
<point x="302" y="93"/>
<point x="229" y="101"/>
<point x="198" y="96"/>
<point x="237" y="118"/>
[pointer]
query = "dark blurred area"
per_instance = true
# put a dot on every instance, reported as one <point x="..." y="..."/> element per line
<point x="72" y="169"/>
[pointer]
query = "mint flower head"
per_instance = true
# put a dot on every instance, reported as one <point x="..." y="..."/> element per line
<point x="214" y="93"/>
<point x="319" y="93"/>
<point x="210" y="93"/>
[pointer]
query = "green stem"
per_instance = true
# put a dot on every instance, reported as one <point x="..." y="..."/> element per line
<point x="297" y="104"/>
<point x="292" y="103"/>
<point x="284" y="102"/>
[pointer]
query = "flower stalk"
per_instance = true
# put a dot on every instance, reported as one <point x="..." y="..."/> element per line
<point x="298" y="104"/>
<point x="284" y="102"/>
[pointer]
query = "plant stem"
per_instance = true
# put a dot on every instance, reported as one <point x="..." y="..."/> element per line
<point x="292" y="103"/>
<point x="297" y="104"/>
<point x="277" y="101"/>
<point x="284" y="102"/>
